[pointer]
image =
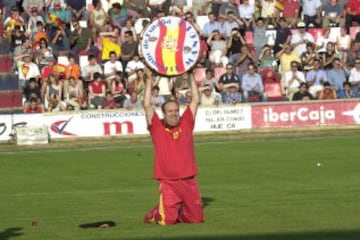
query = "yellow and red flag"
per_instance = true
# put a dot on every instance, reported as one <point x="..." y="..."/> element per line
<point x="279" y="5"/>
<point x="25" y="69"/>
<point x="55" y="19"/>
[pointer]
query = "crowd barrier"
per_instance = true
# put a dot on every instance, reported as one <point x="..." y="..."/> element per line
<point x="103" y="123"/>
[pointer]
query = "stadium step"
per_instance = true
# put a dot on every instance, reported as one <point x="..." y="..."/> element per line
<point x="9" y="81"/>
<point x="6" y="64"/>
<point x="11" y="99"/>
<point x="4" y="46"/>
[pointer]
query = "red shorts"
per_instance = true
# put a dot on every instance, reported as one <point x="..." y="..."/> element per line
<point x="180" y="201"/>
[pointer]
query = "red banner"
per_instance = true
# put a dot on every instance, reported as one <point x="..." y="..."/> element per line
<point x="299" y="114"/>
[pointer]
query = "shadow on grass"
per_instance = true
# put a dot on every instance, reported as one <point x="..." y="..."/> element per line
<point x="10" y="232"/>
<point x="206" y="201"/>
<point x="321" y="235"/>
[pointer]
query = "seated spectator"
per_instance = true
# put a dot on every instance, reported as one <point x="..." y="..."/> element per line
<point x="336" y="76"/>
<point x="178" y="7"/>
<point x="17" y="37"/>
<point x="109" y="102"/>
<point x="98" y="17"/>
<point x="133" y="102"/>
<point x="308" y="57"/>
<point x="129" y="48"/>
<point x="182" y="83"/>
<point x="208" y="97"/>
<point x="75" y="94"/>
<point x="211" y="26"/>
<point x="42" y="52"/>
<point x="133" y="66"/>
<point x="228" y="6"/>
<point x="311" y="10"/>
<point x="184" y="99"/>
<point x="119" y="14"/>
<point x="354" y="77"/>
<point x="291" y="12"/>
<point x="350" y="56"/>
<point x="352" y="12"/>
<point x="323" y="40"/>
<point x="59" y="41"/>
<point x="13" y="20"/>
<point x="300" y="39"/>
<point x="111" y="68"/>
<point x="129" y="26"/>
<point x="210" y="81"/>
<point x="31" y="90"/>
<point x="333" y="13"/>
<point x="283" y="36"/>
<point x="227" y="80"/>
<point x="291" y="80"/>
<point x="34" y="106"/>
<point x="82" y="39"/>
<point x="232" y="96"/>
<point x="53" y="95"/>
<point x="232" y="22"/>
<point x="343" y="42"/>
<point x="347" y="91"/>
<point x="34" y="19"/>
<point x="246" y="13"/>
<point x="88" y="71"/>
<point x="73" y="69"/>
<point x="31" y="6"/>
<point x="328" y="56"/>
<point x="166" y="85"/>
<point x="315" y="79"/>
<point x="118" y="89"/>
<point x="267" y="60"/>
<point x="286" y="56"/>
<point x="58" y="19"/>
<point x="156" y="99"/>
<point x="328" y="92"/>
<point x="217" y="55"/>
<point x="234" y="43"/>
<point x="252" y="84"/>
<point x="39" y="34"/>
<point x="97" y="91"/>
<point x="302" y="94"/>
<point x="27" y="69"/>
<point x="77" y="9"/>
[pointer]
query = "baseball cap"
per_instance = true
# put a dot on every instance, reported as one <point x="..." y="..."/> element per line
<point x="301" y="25"/>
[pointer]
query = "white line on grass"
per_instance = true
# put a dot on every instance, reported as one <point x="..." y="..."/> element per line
<point x="131" y="146"/>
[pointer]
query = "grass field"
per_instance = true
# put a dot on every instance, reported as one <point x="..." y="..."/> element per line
<point x="270" y="189"/>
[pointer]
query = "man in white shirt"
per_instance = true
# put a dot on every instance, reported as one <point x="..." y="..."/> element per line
<point x="312" y="12"/>
<point x="112" y="67"/>
<point x="132" y="66"/>
<point x="354" y="78"/>
<point x="291" y="80"/>
<point x="300" y="39"/>
<point x="27" y="69"/>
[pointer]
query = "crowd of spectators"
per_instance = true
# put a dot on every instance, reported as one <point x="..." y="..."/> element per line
<point x="70" y="55"/>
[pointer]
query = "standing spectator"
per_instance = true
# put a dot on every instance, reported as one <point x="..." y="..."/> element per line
<point x="97" y="91"/>
<point x="252" y="84"/>
<point x="352" y="12"/>
<point x="312" y="12"/>
<point x="336" y="75"/>
<point x="260" y="38"/>
<point x="354" y="77"/>
<point x="315" y="78"/>
<point x="328" y="56"/>
<point x="302" y="94"/>
<point x="283" y="35"/>
<point x="291" y="80"/>
<point x="171" y="133"/>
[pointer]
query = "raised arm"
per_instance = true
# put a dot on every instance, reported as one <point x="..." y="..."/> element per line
<point x="149" y="111"/>
<point x="195" y="101"/>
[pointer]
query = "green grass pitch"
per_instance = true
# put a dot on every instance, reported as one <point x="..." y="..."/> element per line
<point x="272" y="189"/>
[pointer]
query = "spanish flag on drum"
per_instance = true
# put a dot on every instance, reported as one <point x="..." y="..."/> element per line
<point x="170" y="46"/>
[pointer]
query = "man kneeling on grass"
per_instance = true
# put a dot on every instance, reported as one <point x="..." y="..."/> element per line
<point x="175" y="164"/>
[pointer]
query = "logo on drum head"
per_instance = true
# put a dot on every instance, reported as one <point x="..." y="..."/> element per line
<point x="170" y="46"/>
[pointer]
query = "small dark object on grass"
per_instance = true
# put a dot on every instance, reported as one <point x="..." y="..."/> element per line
<point x="101" y="224"/>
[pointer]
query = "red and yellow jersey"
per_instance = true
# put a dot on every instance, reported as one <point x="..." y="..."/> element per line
<point x="174" y="148"/>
